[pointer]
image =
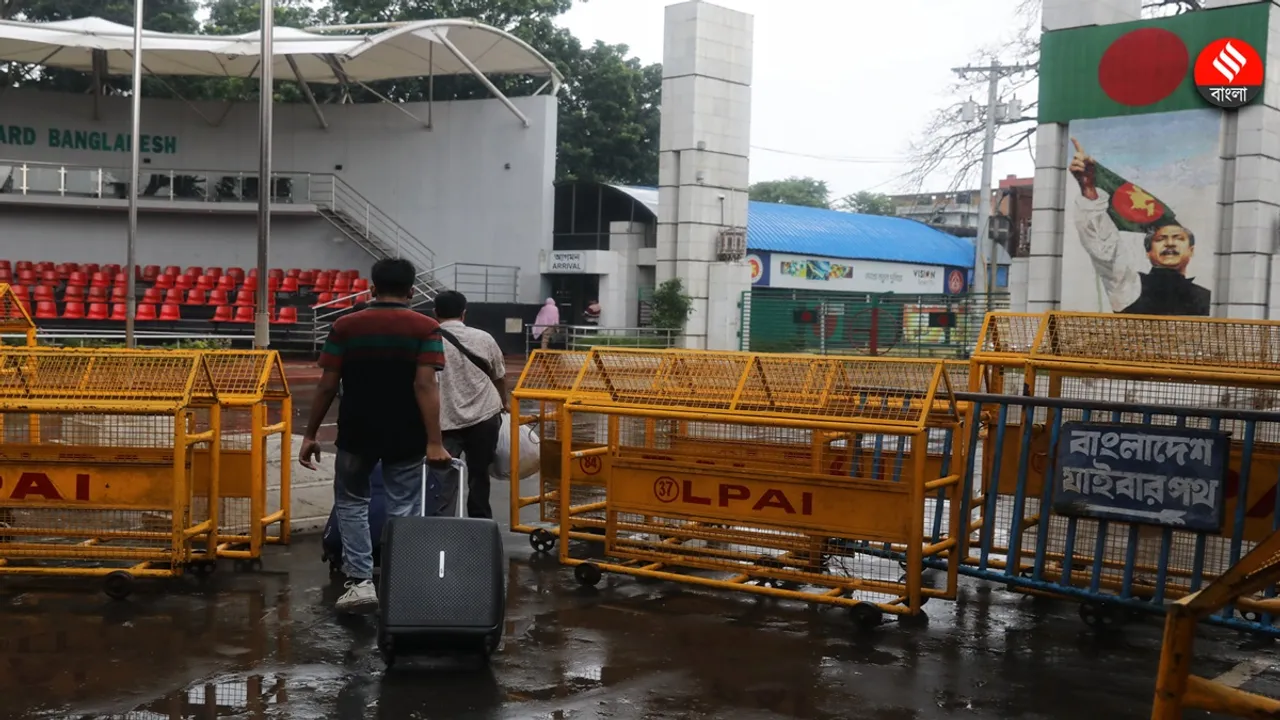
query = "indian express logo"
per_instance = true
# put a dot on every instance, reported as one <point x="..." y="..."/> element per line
<point x="1229" y="73"/>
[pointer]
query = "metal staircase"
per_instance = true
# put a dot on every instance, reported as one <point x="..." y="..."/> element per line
<point x="374" y="231"/>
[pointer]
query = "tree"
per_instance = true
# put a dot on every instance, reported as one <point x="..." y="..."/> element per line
<point x="610" y="113"/>
<point x="792" y="191"/>
<point x="950" y="146"/>
<point x="866" y="203"/>
<point x="671" y="305"/>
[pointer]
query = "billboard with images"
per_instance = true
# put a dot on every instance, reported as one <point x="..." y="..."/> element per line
<point x="1142" y="217"/>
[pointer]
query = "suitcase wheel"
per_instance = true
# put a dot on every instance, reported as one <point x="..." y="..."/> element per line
<point x="542" y="541"/>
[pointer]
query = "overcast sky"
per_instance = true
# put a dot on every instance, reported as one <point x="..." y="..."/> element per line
<point x="835" y="78"/>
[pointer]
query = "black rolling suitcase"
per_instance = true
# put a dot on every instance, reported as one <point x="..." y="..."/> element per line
<point x="442" y="589"/>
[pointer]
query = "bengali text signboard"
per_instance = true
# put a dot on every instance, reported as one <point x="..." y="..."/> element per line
<point x="1170" y="476"/>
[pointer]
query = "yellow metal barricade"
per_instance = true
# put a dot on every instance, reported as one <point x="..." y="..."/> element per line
<point x="14" y="318"/>
<point x="97" y="463"/>
<point x="546" y="381"/>
<point x="789" y="475"/>
<point x="257" y="426"/>
<point x="1176" y="688"/>
<point x="1142" y="373"/>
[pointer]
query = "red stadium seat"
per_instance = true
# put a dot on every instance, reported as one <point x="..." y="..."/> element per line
<point x="343" y="302"/>
<point x="74" y="310"/>
<point x="146" y="311"/>
<point x="236" y="273"/>
<point x="26" y="276"/>
<point x="43" y="293"/>
<point x="293" y="272"/>
<point x="170" y="311"/>
<point x="194" y="271"/>
<point x="358" y="284"/>
<point x="118" y="312"/>
<point x="273" y="284"/>
<point x="100" y="279"/>
<point x="150" y="273"/>
<point x="244" y="298"/>
<point x="185" y="282"/>
<point x="227" y="283"/>
<point x="151" y="295"/>
<point x="289" y="284"/>
<point x="118" y="294"/>
<point x="6" y="265"/>
<point x="250" y="282"/>
<point x="45" y="266"/>
<point x="323" y="298"/>
<point x="173" y="295"/>
<point x="97" y="293"/>
<point x="23" y="265"/>
<point x="323" y="283"/>
<point x="218" y="297"/>
<point x="77" y="278"/>
<point x="307" y="277"/>
<point x="64" y="270"/>
<point x="111" y="269"/>
<point x="90" y="268"/>
<point x="21" y="292"/>
<point x="121" y="279"/>
<point x="214" y="272"/>
<point x="49" y="277"/>
<point x="6" y="276"/>
<point x="196" y="297"/>
<point x="222" y="314"/>
<point x="164" y="282"/>
<point x="287" y="316"/>
<point x="73" y="292"/>
<point x="97" y="311"/>
<point x="172" y="270"/>
<point x="275" y="273"/>
<point x="46" y="310"/>
<point x="206" y="282"/>
<point x="244" y="314"/>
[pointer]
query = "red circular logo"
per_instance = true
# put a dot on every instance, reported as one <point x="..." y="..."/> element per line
<point x="1229" y="73"/>
<point x="1143" y="66"/>
<point x="590" y="465"/>
<point x="955" y="282"/>
<point x="666" y="489"/>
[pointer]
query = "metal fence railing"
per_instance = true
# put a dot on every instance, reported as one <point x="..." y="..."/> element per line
<point x="585" y="337"/>
<point x="827" y="323"/>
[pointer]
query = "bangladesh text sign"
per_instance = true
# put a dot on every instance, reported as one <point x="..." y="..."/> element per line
<point x="1170" y="476"/>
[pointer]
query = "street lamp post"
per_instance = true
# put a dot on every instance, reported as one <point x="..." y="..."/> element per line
<point x="262" y="319"/>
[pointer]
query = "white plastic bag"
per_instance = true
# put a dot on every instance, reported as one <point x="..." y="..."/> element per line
<point x="530" y="451"/>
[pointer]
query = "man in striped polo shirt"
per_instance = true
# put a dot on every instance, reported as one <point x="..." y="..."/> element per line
<point x="386" y="358"/>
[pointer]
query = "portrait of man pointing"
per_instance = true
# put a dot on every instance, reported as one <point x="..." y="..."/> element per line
<point x="1107" y="209"/>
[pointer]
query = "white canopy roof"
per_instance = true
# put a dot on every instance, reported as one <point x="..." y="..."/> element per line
<point x="417" y="49"/>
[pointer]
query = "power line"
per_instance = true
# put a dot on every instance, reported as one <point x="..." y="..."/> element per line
<point x="831" y="158"/>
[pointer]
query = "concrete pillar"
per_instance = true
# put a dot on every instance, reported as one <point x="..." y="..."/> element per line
<point x="1019" y="284"/>
<point x="1063" y="14"/>
<point x="705" y="140"/>
<point x="619" y="291"/>
<point x="1048" y="203"/>
<point x="724" y="310"/>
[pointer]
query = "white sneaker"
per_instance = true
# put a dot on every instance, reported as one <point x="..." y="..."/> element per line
<point x="360" y="597"/>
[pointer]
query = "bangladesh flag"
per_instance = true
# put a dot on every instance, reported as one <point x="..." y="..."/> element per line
<point x="1132" y="208"/>
<point x="1138" y="67"/>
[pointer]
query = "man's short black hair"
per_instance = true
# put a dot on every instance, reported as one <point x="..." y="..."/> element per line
<point x="450" y="305"/>
<point x="393" y="277"/>
<point x="1151" y="234"/>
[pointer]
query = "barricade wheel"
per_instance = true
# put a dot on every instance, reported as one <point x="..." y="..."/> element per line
<point x="588" y="574"/>
<point x="772" y="563"/>
<point x="202" y="568"/>
<point x="924" y="599"/>
<point x="1101" y="616"/>
<point x="248" y="565"/>
<point x="866" y="615"/>
<point x="542" y="541"/>
<point x="118" y="585"/>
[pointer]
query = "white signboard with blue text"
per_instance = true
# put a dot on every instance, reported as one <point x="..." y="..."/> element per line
<point x="1155" y="475"/>
<point x="801" y="272"/>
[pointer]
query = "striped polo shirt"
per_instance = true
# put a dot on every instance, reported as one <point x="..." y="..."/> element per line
<point x="378" y="351"/>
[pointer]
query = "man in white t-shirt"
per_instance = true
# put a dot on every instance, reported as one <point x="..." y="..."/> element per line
<point x="473" y="396"/>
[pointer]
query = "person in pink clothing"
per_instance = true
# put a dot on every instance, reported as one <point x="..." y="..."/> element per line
<point x="544" y="326"/>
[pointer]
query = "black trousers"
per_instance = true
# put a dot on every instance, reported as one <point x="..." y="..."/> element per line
<point x="479" y="443"/>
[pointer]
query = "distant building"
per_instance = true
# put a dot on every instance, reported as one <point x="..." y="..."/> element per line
<point x="956" y="213"/>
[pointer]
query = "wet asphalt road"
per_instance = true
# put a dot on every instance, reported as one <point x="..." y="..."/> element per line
<point x="268" y="645"/>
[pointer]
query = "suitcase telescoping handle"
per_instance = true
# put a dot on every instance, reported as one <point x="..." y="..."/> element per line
<point x="457" y="466"/>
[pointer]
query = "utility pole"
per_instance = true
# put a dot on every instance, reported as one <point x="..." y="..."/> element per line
<point x="993" y="113"/>
<point x="266" y="188"/>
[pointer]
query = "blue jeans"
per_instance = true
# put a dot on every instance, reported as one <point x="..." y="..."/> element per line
<point x="403" y="481"/>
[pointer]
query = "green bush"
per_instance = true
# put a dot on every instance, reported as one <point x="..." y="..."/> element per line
<point x="671" y="305"/>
